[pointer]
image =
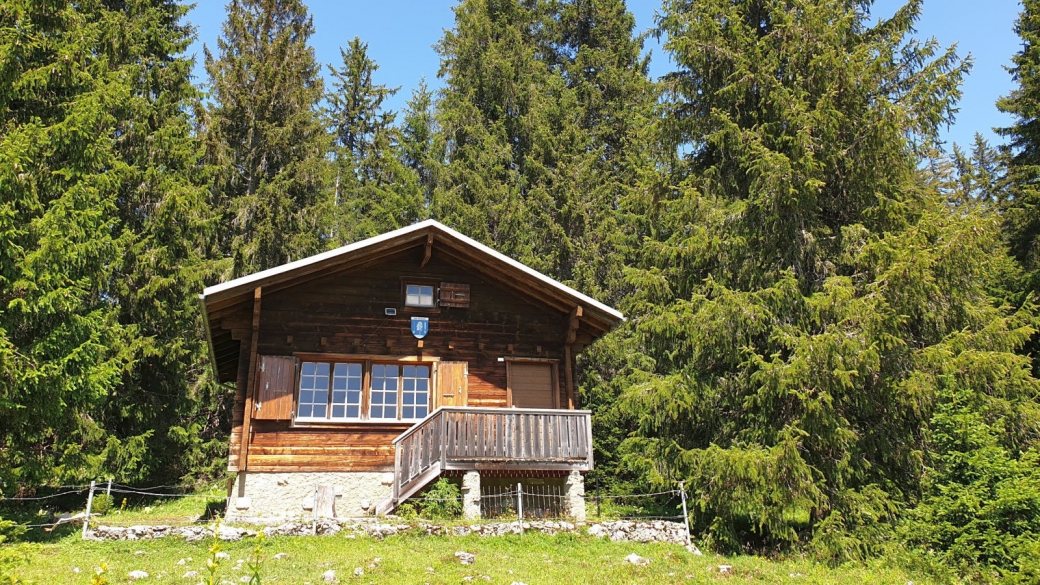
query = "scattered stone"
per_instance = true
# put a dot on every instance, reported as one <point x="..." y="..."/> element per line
<point x="139" y="552"/>
<point x="222" y="555"/>
<point x="359" y="572"/>
<point x="517" y="583"/>
<point x="692" y="548"/>
<point x="190" y="575"/>
<point x="75" y="569"/>
<point x="181" y="562"/>
<point x="379" y="528"/>
<point x="281" y="555"/>
<point x="637" y="560"/>
<point x="466" y="558"/>
<point x="244" y="579"/>
<point x="329" y="576"/>
<point x="725" y="569"/>
<point x="135" y="575"/>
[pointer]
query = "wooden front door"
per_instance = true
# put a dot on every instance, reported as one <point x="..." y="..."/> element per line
<point x="451" y="381"/>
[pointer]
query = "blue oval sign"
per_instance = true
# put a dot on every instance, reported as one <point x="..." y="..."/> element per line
<point x="420" y="326"/>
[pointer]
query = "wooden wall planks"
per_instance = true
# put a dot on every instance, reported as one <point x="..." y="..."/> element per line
<point x="343" y="313"/>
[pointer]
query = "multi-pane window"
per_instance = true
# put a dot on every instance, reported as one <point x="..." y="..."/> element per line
<point x="418" y="295"/>
<point x="415" y="392"/>
<point x="346" y="391"/>
<point x="336" y="391"/>
<point x="314" y="390"/>
<point x="384" y="392"/>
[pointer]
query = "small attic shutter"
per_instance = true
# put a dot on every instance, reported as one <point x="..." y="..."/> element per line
<point x="275" y="380"/>
<point x="454" y="294"/>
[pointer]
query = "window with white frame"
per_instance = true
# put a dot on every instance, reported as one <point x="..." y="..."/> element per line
<point x="383" y="401"/>
<point x="415" y="392"/>
<point x="418" y="295"/>
<point x="331" y="391"/>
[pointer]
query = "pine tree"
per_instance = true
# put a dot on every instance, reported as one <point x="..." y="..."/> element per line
<point x="805" y="290"/>
<point x="100" y="233"/>
<point x="265" y="141"/>
<point x="374" y="191"/>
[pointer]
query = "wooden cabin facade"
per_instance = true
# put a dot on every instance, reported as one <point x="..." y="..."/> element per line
<point x="366" y="372"/>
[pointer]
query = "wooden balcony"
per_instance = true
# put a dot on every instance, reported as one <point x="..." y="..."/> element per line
<point x="461" y="438"/>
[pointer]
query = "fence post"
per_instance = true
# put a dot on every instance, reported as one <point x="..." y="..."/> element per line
<point x="598" y="516"/>
<point x="520" y="505"/>
<point x="108" y="490"/>
<point x="314" y="511"/>
<point x="685" y="515"/>
<point x="90" y="502"/>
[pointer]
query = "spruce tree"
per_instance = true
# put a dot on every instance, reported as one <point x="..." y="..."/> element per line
<point x="542" y="113"/>
<point x="100" y="235"/>
<point x="1022" y="210"/>
<point x="374" y="191"/>
<point x="806" y="296"/>
<point x="265" y="142"/>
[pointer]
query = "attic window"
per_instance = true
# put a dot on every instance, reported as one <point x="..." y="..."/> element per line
<point x="418" y="295"/>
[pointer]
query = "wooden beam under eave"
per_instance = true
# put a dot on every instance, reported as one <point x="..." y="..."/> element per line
<point x="573" y="322"/>
<point x="429" y="250"/>
<point x="247" y="415"/>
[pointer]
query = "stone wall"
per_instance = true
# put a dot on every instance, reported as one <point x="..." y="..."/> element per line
<point x="291" y="495"/>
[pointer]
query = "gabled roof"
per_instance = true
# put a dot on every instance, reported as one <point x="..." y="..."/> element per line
<point x="430" y="226"/>
<point x="450" y="244"/>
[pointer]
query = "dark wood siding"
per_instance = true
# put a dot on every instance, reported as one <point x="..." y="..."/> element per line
<point x="344" y="313"/>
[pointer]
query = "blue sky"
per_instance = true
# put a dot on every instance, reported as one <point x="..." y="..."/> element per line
<point x="401" y="34"/>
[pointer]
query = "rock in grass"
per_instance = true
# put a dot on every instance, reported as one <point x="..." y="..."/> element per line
<point x="281" y="555"/>
<point x="359" y="572"/>
<point x="466" y="558"/>
<point x="692" y="548"/>
<point x="190" y="575"/>
<point x="725" y="569"/>
<point x="637" y="560"/>
<point x="135" y="575"/>
<point x="329" y="576"/>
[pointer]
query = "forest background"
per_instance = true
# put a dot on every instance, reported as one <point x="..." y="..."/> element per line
<point x="832" y="326"/>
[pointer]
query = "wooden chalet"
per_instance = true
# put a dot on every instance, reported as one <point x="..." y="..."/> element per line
<point x="366" y="372"/>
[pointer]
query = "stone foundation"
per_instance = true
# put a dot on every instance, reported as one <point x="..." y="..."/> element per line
<point x="574" y="496"/>
<point x="291" y="495"/>
<point x="471" y="495"/>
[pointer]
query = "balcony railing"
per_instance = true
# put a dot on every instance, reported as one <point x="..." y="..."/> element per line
<point x="461" y="438"/>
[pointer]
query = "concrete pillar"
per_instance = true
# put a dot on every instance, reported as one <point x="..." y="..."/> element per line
<point x="574" y="496"/>
<point x="471" y="495"/>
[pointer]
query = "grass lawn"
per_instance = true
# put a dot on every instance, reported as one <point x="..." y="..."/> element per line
<point x="62" y="558"/>
<point x="411" y="558"/>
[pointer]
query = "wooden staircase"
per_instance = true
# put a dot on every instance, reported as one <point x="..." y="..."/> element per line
<point x="463" y="438"/>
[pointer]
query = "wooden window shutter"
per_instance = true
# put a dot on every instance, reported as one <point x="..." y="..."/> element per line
<point x="454" y="294"/>
<point x="275" y="385"/>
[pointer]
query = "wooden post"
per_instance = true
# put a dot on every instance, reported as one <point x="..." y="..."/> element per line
<point x="243" y="454"/>
<point x="573" y="322"/>
<point x="108" y="490"/>
<point x="568" y="377"/>
<point x="90" y="502"/>
<point x="685" y="515"/>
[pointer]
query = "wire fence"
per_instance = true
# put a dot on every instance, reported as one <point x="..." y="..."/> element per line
<point x="522" y="503"/>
